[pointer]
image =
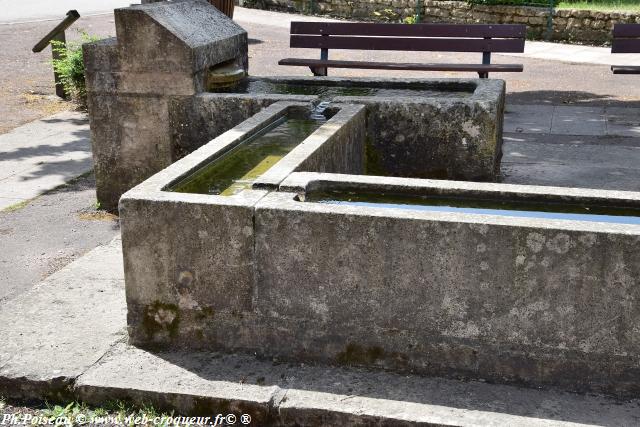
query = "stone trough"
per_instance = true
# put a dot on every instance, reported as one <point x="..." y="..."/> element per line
<point x="338" y="246"/>
<point x="303" y="266"/>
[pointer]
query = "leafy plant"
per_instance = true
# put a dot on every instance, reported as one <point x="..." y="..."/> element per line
<point x="387" y="15"/>
<point x="410" y="19"/>
<point x="70" y="66"/>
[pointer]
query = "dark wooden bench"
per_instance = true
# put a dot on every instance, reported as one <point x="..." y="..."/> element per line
<point x="406" y="37"/>
<point x="626" y="39"/>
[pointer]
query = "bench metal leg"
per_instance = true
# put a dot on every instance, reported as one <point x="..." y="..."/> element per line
<point x="318" y="71"/>
<point x="486" y="60"/>
<point x="324" y="56"/>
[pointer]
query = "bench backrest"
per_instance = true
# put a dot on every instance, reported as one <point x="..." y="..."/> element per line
<point x="626" y="38"/>
<point x="413" y="37"/>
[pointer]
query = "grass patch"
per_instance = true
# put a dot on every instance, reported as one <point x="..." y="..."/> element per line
<point x="603" y="5"/>
<point x="72" y="414"/>
<point x="97" y="215"/>
<point x="17" y="206"/>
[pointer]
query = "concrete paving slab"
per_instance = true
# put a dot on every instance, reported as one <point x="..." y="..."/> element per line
<point x="578" y="121"/>
<point x="58" y="329"/>
<point x="274" y="393"/>
<point x="528" y="118"/>
<point x="623" y="121"/>
<point x="588" y="164"/>
<point x="572" y="120"/>
<point x="44" y="154"/>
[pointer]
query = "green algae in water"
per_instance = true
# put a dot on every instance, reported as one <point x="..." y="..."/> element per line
<point x="327" y="91"/>
<point x="238" y="169"/>
<point x="514" y="208"/>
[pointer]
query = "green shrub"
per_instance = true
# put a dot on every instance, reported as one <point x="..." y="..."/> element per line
<point x="70" y="66"/>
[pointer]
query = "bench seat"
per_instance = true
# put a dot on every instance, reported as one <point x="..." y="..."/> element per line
<point x="479" y="68"/>
<point x="626" y="39"/>
<point x="480" y="38"/>
<point x="625" y="69"/>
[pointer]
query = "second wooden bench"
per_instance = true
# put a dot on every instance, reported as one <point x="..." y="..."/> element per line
<point x="626" y="39"/>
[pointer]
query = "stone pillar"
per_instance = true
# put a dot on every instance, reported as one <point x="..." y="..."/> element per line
<point x="162" y="51"/>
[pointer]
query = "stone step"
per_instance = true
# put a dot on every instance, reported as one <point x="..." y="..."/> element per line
<point x="273" y="393"/>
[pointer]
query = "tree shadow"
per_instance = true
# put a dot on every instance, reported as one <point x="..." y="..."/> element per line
<point x="70" y="158"/>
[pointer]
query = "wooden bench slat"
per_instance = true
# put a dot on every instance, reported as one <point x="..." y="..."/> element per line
<point x="404" y="44"/>
<point x="625" y="69"/>
<point x="402" y="65"/>
<point x="414" y="30"/>
<point x="625" y="46"/>
<point x="626" y="30"/>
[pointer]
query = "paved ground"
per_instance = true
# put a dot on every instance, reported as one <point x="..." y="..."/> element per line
<point x="49" y="233"/>
<point x="572" y="146"/>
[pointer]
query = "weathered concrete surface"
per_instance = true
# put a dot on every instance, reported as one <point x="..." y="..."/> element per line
<point x="130" y="82"/>
<point x="505" y="299"/>
<point x="446" y="294"/>
<point x="189" y="256"/>
<point x="450" y="138"/>
<point x="273" y="392"/>
<point x="55" y="331"/>
<point x="285" y="394"/>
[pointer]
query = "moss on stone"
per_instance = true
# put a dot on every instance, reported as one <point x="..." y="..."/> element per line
<point x="153" y="322"/>
<point x="355" y="354"/>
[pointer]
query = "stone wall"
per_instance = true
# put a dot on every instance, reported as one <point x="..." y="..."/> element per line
<point x="582" y="26"/>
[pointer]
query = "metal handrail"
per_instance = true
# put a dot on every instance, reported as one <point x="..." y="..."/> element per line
<point x="57" y="34"/>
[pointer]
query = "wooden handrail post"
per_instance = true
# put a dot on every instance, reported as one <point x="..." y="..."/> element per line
<point x="57" y="34"/>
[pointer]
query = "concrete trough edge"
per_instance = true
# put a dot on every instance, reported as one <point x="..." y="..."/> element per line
<point x="301" y="182"/>
<point x="323" y="135"/>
